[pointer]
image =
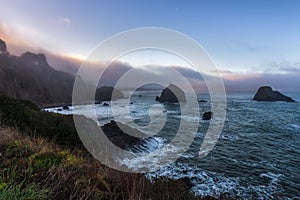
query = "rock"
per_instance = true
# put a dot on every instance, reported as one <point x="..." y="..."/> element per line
<point x="207" y="115"/>
<point x="140" y="95"/>
<point x="3" y="47"/>
<point x="171" y="94"/>
<point x="105" y="93"/>
<point x="59" y="109"/>
<point x="187" y="182"/>
<point x="33" y="59"/>
<point x="266" y="93"/>
<point x="115" y="132"/>
<point x="202" y="101"/>
<point x="105" y="104"/>
<point x="66" y="108"/>
<point x="131" y="102"/>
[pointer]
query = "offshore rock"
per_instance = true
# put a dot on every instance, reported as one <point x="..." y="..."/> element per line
<point x="266" y="93"/>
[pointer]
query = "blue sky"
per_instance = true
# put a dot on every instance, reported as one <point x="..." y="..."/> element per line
<point x="243" y="37"/>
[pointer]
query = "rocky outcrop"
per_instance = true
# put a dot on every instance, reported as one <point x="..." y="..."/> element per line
<point x="266" y="93"/>
<point x="202" y="101"/>
<point x="33" y="59"/>
<point x="207" y="115"/>
<point x="3" y="47"/>
<point x="171" y="94"/>
<point x="106" y="93"/>
<point x="121" y="135"/>
<point x="66" y="107"/>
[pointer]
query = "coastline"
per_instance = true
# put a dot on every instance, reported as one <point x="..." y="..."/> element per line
<point x="50" y="149"/>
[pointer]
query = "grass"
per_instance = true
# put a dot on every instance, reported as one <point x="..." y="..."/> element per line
<point x="32" y="167"/>
<point x="41" y="157"/>
<point x="9" y="191"/>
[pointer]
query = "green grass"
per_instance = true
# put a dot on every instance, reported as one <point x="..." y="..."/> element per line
<point x="10" y="191"/>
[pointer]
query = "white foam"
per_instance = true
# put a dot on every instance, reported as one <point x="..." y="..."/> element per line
<point x="230" y="137"/>
<point x="273" y="177"/>
<point x="207" y="183"/>
<point x="295" y="126"/>
<point x="152" y="160"/>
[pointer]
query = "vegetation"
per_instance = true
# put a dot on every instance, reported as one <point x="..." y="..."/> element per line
<point x="41" y="157"/>
<point x="27" y="117"/>
<point x="12" y="192"/>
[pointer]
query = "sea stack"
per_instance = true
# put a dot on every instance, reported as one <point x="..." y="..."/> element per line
<point x="171" y="94"/>
<point x="266" y="93"/>
<point x="207" y="115"/>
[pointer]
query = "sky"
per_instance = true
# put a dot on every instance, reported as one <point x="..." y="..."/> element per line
<point x="245" y="39"/>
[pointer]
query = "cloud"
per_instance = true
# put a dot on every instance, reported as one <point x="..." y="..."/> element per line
<point x="283" y="76"/>
<point x="66" y="21"/>
<point x="18" y="42"/>
<point x="221" y="72"/>
<point x="246" y="46"/>
<point x="252" y="81"/>
<point x="283" y="67"/>
<point x="18" y="38"/>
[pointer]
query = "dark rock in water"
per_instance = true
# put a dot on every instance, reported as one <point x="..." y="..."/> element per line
<point x="59" y="109"/>
<point x="66" y="108"/>
<point x="266" y="93"/>
<point x="207" y="115"/>
<point x="140" y="95"/>
<point x="105" y="104"/>
<point x="202" y="101"/>
<point x="157" y="98"/>
<point x="106" y="93"/>
<point x="131" y="102"/>
<point x="172" y="94"/>
<point x="3" y="47"/>
<point x="122" y="135"/>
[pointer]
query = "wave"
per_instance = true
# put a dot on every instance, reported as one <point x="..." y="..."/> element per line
<point x="297" y="126"/>
<point x="148" y="145"/>
<point x="205" y="183"/>
<point x="151" y="160"/>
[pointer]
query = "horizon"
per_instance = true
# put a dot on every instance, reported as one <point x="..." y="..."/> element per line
<point x="250" y="43"/>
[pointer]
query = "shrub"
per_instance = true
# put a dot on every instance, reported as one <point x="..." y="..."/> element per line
<point x="28" y="118"/>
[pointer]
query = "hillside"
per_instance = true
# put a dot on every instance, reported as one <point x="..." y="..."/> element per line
<point x="30" y="77"/>
<point x="41" y="157"/>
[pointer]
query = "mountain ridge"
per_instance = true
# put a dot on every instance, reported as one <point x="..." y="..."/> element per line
<point x="30" y="77"/>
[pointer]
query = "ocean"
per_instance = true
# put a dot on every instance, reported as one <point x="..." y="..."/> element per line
<point x="256" y="157"/>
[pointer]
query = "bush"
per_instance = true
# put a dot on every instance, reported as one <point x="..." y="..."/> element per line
<point x="25" y="116"/>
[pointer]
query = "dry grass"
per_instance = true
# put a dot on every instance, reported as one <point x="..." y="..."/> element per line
<point x="73" y="174"/>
